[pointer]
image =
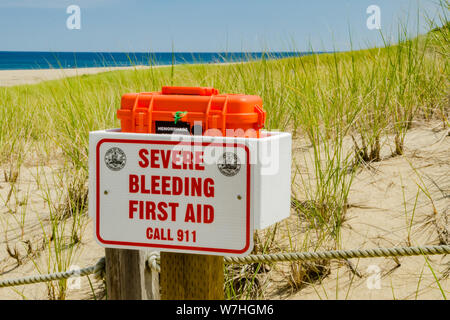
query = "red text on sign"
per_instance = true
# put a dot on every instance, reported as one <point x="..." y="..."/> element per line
<point x="174" y="186"/>
<point x="171" y="159"/>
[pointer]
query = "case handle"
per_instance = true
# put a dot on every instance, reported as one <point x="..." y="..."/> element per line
<point x="197" y="91"/>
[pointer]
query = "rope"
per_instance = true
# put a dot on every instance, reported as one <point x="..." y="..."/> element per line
<point x="153" y="260"/>
<point x="98" y="269"/>
<point x="340" y="254"/>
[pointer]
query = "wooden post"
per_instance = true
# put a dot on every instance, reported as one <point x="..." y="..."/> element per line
<point x="127" y="277"/>
<point x="191" y="277"/>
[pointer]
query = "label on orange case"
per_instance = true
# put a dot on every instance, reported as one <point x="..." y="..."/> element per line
<point x="169" y="127"/>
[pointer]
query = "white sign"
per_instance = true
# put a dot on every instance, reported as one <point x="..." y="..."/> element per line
<point x="187" y="196"/>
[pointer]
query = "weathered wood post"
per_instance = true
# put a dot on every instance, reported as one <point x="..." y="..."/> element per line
<point x="191" y="277"/>
<point x="127" y="277"/>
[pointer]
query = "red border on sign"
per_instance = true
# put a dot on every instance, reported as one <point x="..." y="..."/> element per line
<point x="168" y="246"/>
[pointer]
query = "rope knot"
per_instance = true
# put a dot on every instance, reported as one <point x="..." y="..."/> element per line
<point x="153" y="261"/>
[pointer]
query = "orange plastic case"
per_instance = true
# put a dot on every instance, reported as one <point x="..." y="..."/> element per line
<point x="192" y="110"/>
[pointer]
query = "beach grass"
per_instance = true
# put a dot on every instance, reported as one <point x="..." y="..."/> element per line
<point x="339" y="105"/>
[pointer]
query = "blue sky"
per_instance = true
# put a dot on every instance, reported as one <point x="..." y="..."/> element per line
<point x="205" y="25"/>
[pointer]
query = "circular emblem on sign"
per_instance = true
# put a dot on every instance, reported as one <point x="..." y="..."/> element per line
<point x="229" y="164"/>
<point x="115" y="159"/>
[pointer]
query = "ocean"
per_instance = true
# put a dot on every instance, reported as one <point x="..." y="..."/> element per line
<point x="16" y="60"/>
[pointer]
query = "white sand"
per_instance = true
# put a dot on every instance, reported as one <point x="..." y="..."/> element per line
<point x="10" y="78"/>
<point x="17" y="77"/>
